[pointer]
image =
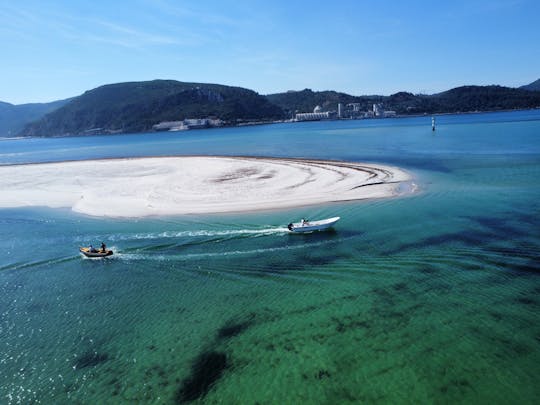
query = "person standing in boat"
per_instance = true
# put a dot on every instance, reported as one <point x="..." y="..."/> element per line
<point x="103" y="247"/>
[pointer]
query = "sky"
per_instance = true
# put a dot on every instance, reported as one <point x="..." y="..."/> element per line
<point x="53" y="49"/>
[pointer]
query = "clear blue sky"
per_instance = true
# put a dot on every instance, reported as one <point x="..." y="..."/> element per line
<point x="57" y="49"/>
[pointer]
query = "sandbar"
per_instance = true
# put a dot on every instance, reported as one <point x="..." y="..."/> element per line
<point x="138" y="187"/>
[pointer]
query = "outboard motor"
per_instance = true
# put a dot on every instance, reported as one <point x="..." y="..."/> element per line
<point x="290" y="226"/>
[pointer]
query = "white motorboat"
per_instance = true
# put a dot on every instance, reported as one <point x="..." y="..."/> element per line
<point x="310" y="226"/>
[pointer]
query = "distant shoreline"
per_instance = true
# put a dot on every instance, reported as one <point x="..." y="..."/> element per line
<point x="141" y="187"/>
<point x="258" y="123"/>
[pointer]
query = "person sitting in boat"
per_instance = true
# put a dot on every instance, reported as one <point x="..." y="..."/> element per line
<point x="92" y="249"/>
<point x="304" y="221"/>
<point x="103" y="247"/>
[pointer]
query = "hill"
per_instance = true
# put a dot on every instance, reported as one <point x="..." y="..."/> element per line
<point x="534" y="86"/>
<point x="137" y="106"/>
<point x="13" y="118"/>
<point x="306" y="100"/>
<point x="459" y="99"/>
<point x="484" y="98"/>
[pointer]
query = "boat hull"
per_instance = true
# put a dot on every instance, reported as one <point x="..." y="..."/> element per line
<point x="313" y="226"/>
<point x="86" y="251"/>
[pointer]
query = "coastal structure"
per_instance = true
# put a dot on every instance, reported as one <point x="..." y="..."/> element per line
<point x="313" y="116"/>
<point x="346" y="111"/>
<point x="188" y="123"/>
<point x="354" y="107"/>
<point x="170" y="126"/>
<point x="317" y="115"/>
<point x="349" y="111"/>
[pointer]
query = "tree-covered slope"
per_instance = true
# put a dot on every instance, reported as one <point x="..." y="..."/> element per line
<point x="459" y="99"/>
<point x="306" y="100"/>
<point x="137" y="106"/>
<point x="534" y="86"/>
<point x="483" y="98"/>
<point x="13" y="118"/>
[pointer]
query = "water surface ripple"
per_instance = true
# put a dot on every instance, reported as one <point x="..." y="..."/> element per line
<point x="427" y="298"/>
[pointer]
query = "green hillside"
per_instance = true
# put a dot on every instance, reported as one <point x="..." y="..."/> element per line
<point x="13" y="118"/>
<point x="534" y="86"/>
<point x="484" y="98"/>
<point x="460" y="99"/>
<point x="306" y="100"/>
<point x="137" y="106"/>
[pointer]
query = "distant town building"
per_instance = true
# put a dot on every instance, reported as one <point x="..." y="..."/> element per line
<point x="377" y="110"/>
<point x="215" y="122"/>
<point x="340" y="110"/>
<point x="355" y="107"/>
<point x="188" y="123"/>
<point x="352" y="110"/>
<point x="195" y="123"/>
<point x="314" y="116"/>
<point x="317" y="109"/>
<point x="170" y="126"/>
<point x="389" y="114"/>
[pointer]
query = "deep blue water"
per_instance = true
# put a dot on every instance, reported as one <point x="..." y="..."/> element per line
<point x="366" y="139"/>
<point x="430" y="298"/>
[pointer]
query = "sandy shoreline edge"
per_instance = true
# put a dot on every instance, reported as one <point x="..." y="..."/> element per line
<point x="172" y="185"/>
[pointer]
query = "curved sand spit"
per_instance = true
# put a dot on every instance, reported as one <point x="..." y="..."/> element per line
<point x="192" y="185"/>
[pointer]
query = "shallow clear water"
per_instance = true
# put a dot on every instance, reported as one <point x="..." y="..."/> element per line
<point x="428" y="298"/>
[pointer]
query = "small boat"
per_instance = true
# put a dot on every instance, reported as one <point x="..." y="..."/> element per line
<point x="310" y="226"/>
<point x="95" y="253"/>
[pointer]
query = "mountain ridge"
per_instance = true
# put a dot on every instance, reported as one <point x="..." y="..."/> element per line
<point x="14" y="117"/>
<point x="138" y="106"/>
<point x="534" y="86"/>
<point x="458" y="99"/>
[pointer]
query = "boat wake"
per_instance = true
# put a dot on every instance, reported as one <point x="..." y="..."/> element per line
<point x="189" y="234"/>
<point x="37" y="263"/>
<point x="198" y="256"/>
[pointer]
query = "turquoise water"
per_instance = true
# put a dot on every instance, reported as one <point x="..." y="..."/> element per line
<point x="430" y="298"/>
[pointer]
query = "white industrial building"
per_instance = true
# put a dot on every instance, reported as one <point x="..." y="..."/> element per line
<point x="314" y="116"/>
<point x="188" y="123"/>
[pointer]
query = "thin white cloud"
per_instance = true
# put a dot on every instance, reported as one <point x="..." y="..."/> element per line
<point x="183" y="12"/>
<point x="33" y="24"/>
<point x="131" y="37"/>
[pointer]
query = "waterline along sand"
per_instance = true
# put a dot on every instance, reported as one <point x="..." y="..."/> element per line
<point x="193" y="185"/>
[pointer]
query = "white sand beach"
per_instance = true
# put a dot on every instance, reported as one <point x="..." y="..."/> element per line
<point x="192" y="185"/>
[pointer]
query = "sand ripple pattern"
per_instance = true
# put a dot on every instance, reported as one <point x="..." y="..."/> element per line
<point x="194" y="184"/>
